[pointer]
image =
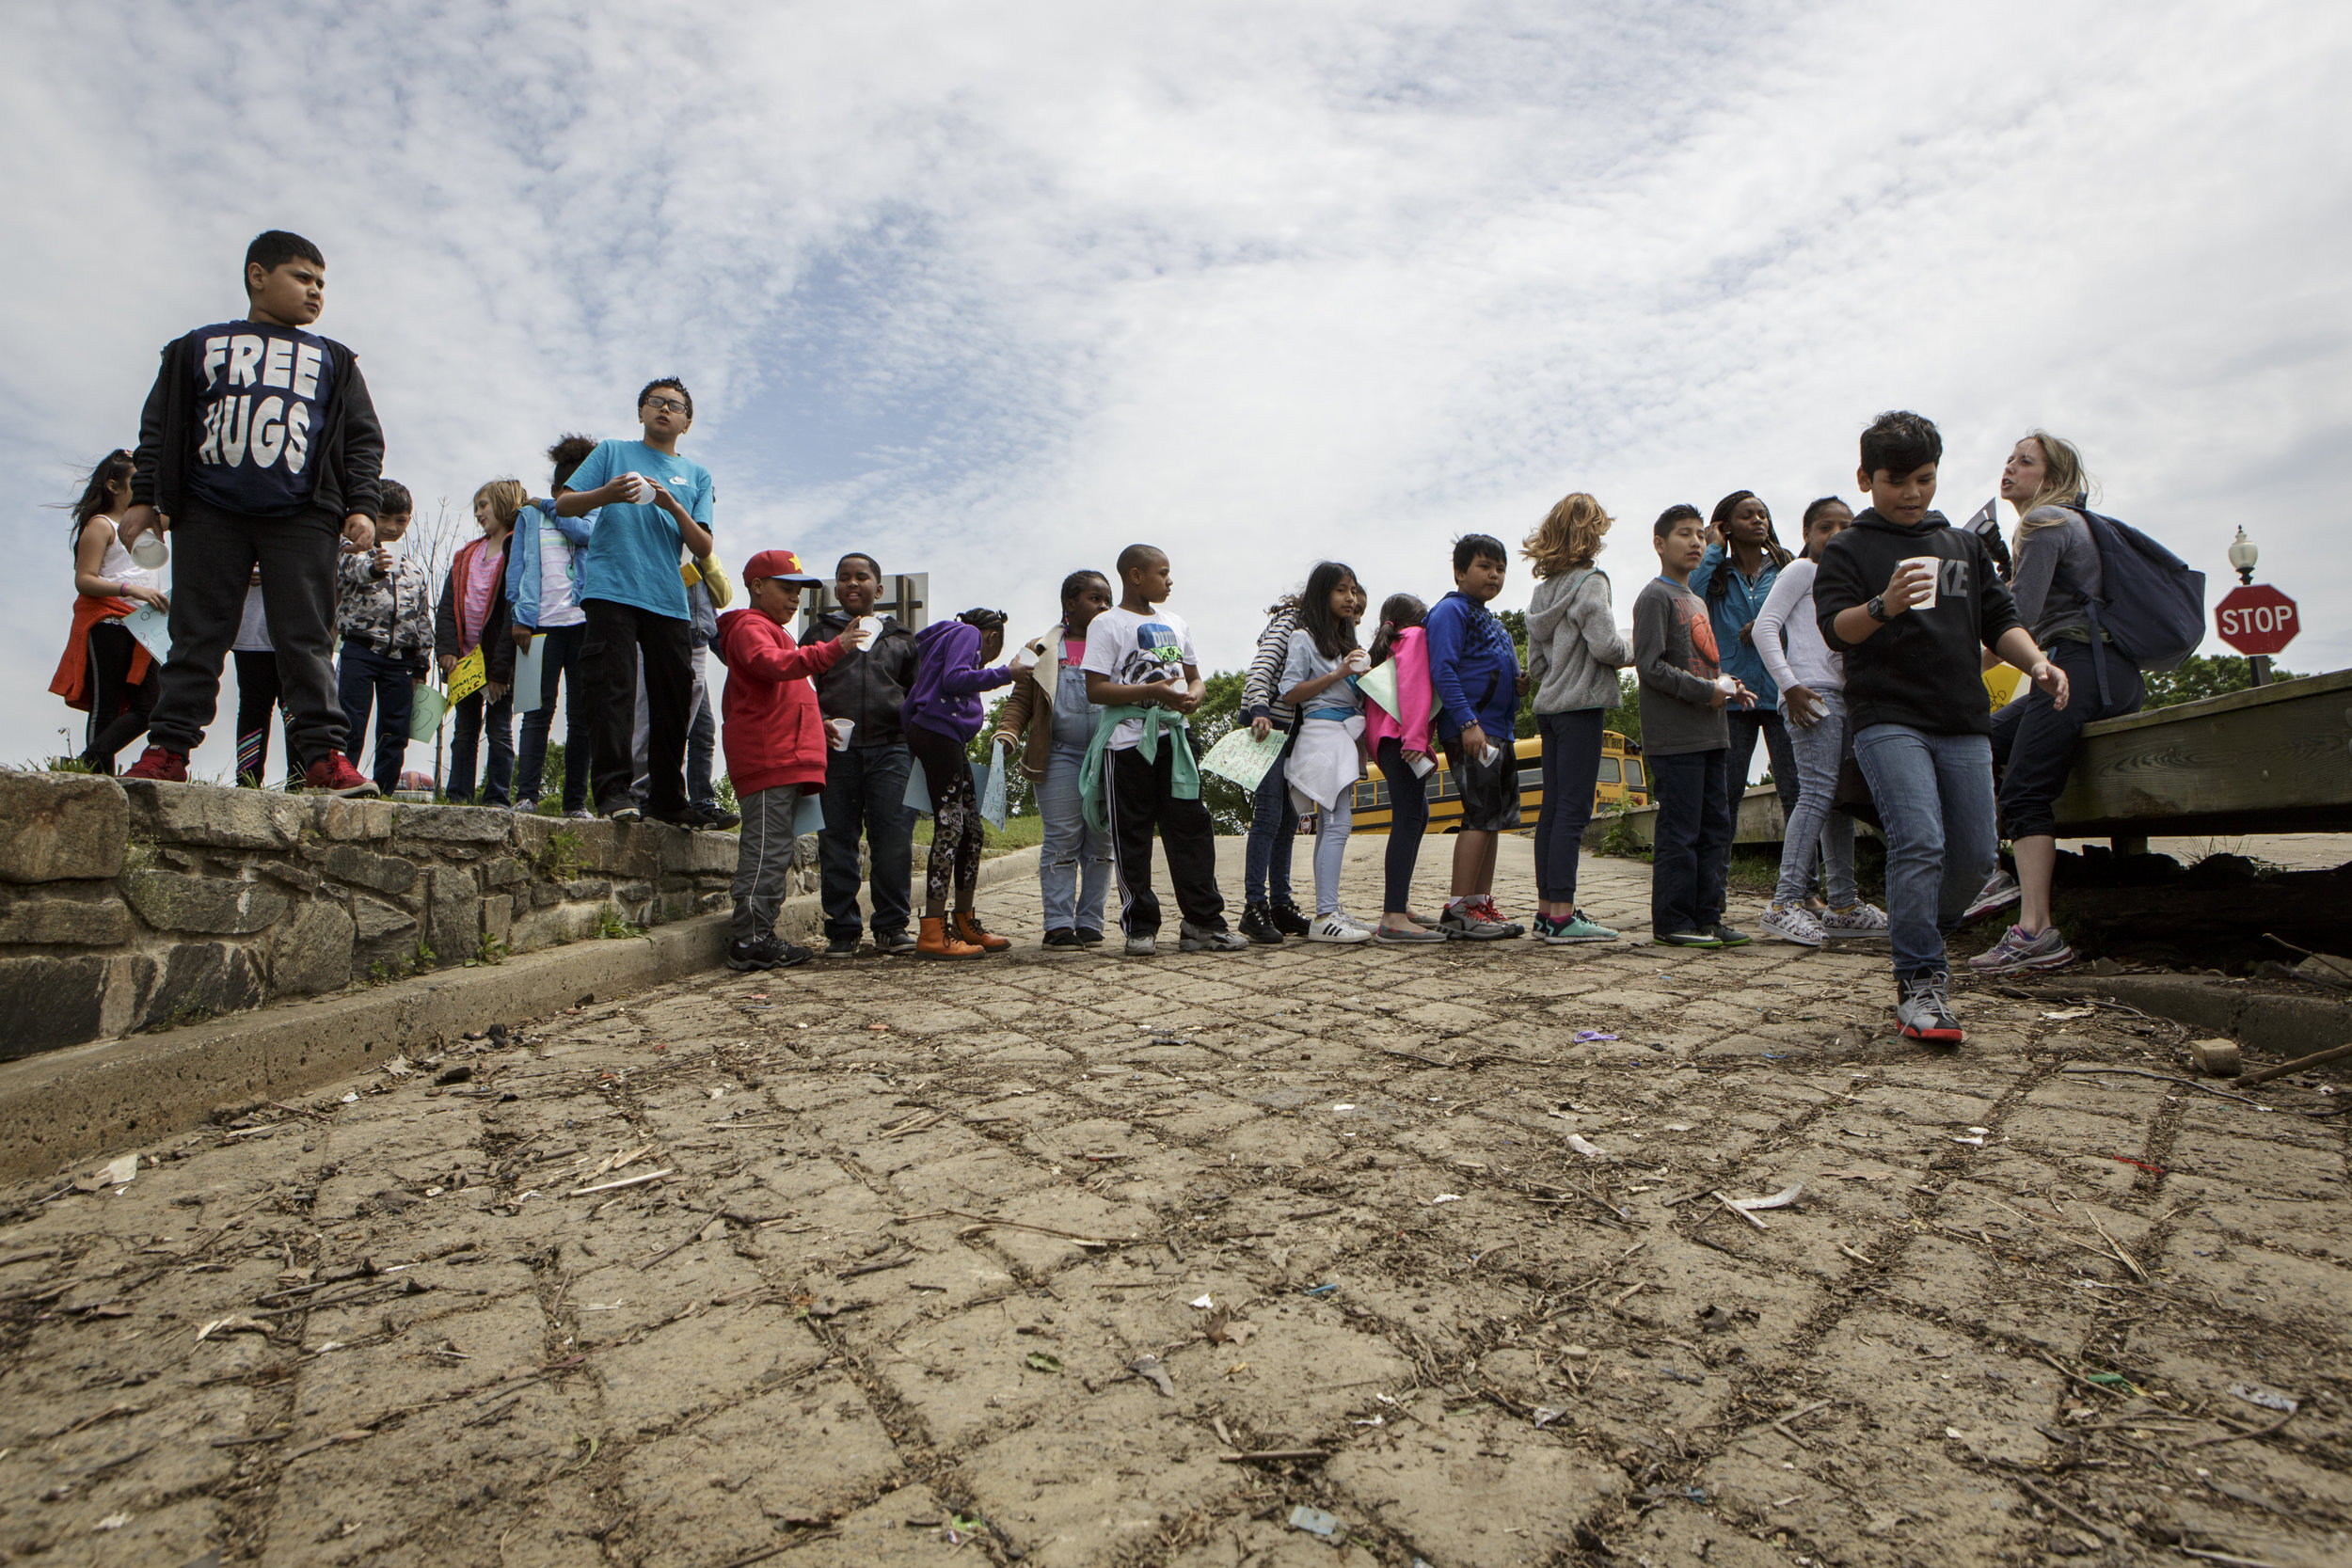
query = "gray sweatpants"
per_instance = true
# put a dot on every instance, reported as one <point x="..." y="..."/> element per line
<point x="762" y="859"/>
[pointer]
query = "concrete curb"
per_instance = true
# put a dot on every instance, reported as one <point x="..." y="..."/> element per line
<point x="2283" y="1027"/>
<point x="62" y="1107"/>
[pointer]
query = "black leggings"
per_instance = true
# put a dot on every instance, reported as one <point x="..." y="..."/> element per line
<point x="118" y="709"/>
<point x="954" y="861"/>
<point x="259" y="693"/>
<point x="1409" y="819"/>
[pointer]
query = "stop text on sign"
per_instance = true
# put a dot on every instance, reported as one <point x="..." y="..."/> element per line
<point x="2256" y="619"/>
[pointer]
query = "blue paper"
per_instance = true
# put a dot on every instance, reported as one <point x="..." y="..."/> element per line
<point x="530" y="671"/>
<point x="918" y="790"/>
<point x="992" y="787"/>
<point x="809" y="817"/>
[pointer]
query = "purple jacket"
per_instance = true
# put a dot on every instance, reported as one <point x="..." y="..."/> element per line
<point x="949" y="680"/>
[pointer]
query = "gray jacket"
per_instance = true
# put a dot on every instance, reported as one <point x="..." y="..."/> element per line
<point x="1573" y="649"/>
<point x="2051" y="608"/>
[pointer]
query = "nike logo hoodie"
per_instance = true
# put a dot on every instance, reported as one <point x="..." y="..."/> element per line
<point x="1923" y="669"/>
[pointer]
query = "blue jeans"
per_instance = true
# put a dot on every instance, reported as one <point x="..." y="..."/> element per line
<point x="1934" y="797"/>
<point x="1690" y="851"/>
<point x="866" y="791"/>
<point x="1571" y="772"/>
<point x="473" y="719"/>
<point x="560" y="666"/>
<point x="368" y="678"/>
<point x="1073" y="870"/>
<point x="1815" y="830"/>
<point x="1272" y="833"/>
<point x="702" y="739"/>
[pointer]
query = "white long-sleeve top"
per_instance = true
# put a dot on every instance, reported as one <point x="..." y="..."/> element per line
<point x="1807" y="660"/>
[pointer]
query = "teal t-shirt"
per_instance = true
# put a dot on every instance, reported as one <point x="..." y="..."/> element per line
<point x="632" y="557"/>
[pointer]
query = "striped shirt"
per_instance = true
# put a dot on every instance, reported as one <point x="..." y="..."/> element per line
<point x="1261" y="690"/>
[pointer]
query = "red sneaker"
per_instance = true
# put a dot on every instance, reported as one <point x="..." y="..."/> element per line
<point x="165" y="767"/>
<point x="334" y="775"/>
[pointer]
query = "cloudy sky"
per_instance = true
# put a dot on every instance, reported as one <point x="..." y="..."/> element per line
<point x="992" y="289"/>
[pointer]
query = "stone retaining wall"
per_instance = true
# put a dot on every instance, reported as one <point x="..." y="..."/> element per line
<point x="132" y="906"/>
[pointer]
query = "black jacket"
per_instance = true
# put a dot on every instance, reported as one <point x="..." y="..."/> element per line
<point x="497" y="659"/>
<point x="866" y="686"/>
<point x="349" y="452"/>
<point x="1924" y="669"/>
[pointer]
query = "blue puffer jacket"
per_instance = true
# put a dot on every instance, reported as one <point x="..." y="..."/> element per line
<point x="523" y="576"/>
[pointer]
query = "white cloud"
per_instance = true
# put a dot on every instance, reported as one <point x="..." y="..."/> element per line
<point x="994" y="291"/>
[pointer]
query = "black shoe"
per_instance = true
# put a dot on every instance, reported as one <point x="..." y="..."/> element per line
<point x="1727" y="936"/>
<point x="1257" y="923"/>
<point x="1089" y="937"/>
<point x="894" y="944"/>
<point x="1289" y="918"/>
<point x="841" y="947"/>
<point x="721" y="819"/>
<point x="1062" y="936"/>
<point x="767" y="952"/>
<point x="627" y="811"/>
<point x="689" y="818"/>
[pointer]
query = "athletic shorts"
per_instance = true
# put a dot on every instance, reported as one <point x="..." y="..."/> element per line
<point x="1490" y="790"/>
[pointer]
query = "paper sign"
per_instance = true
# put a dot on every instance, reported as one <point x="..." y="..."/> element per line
<point x="809" y="817"/>
<point x="424" y="714"/>
<point x="992" y="787"/>
<point x="918" y="790"/>
<point x="1242" y="758"/>
<point x="152" y="628"/>
<point x="688" y="575"/>
<point x="470" y="675"/>
<point x="1379" y="685"/>
<point x="530" y="670"/>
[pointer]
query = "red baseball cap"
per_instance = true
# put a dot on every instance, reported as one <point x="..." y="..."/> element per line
<point x="778" y="563"/>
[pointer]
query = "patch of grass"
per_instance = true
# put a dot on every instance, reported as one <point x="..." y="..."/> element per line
<point x="422" y="956"/>
<point x="1620" y="839"/>
<point x="1019" y="833"/>
<point x="611" y="924"/>
<point x="557" y="860"/>
<point x="491" y="950"/>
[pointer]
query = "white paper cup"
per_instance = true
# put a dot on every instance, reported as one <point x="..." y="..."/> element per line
<point x="150" y="550"/>
<point x="840" y="728"/>
<point x="1935" y="573"/>
<point x="640" y="488"/>
<point x="871" y="626"/>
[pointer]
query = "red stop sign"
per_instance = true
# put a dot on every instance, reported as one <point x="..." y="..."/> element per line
<point x="2255" y="619"/>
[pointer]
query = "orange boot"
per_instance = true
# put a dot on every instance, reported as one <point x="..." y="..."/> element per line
<point x="969" y="929"/>
<point x="938" y="942"/>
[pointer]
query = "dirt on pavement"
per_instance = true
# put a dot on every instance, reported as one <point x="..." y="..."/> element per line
<point x="1039" y="1259"/>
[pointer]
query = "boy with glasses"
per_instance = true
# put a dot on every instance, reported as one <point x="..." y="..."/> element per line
<point x="649" y="503"/>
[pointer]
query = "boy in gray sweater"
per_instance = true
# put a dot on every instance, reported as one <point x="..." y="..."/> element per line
<point x="1684" y="742"/>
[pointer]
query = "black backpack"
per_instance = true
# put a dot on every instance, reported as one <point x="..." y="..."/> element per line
<point x="2151" y="608"/>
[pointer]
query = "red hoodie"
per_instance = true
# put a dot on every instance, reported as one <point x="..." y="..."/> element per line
<point x="773" y="734"/>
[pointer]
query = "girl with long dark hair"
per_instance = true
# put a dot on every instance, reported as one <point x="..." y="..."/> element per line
<point x="1328" y="755"/>
<point x="1735" y="579"/>
<point x="105" y="671"/>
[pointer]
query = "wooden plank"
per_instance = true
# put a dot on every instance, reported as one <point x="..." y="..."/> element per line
<point x="2272" y="759"/>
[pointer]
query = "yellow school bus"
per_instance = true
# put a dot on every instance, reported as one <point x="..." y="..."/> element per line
<point x="1621" y="783"/>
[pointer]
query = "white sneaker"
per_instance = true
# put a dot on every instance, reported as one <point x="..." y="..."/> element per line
<point x="1999" y="889"/>
<point x="1859" y="918"/>
<point x="1335" y="928"/>
<point x="1143" y="947"/>
<point x="1792" y="922"/>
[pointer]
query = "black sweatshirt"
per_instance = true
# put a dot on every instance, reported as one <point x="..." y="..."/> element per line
<point x="330" y="471"/>
<point x="1924" y="669"/>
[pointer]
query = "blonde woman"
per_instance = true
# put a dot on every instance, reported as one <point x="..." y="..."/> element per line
<point x="474" y="615"/>
<point x="2033" y="737"/>
<point x="1574" y="653"/>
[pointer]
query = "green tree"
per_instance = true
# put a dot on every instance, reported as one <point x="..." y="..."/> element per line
<point x="2202" y="675"/>
<point x="1625" y="718"/>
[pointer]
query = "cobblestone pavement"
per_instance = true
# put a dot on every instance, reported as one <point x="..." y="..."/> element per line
<point x="879" y="1263"/>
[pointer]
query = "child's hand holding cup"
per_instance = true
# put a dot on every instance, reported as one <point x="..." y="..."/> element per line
<point x="1914" y="581"/>
<point x="638" y="487"/>
<point x="1356" y="663"/>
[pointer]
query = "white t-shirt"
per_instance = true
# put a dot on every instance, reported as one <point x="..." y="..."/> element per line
<point x="559" y="605"/>
<point x="253" y="626"/>
<point x="1138" y="650"/>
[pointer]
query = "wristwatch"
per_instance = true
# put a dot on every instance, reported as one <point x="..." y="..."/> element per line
<point x="1877" y="607"/>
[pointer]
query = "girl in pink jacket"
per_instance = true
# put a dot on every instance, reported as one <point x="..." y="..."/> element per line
<point x="1401" y="744"/>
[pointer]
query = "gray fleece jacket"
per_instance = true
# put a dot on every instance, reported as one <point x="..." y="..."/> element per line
<point x="1573" y="649"/>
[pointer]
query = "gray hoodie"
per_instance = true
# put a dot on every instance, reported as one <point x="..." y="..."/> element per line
<point x="1573" y="649"/>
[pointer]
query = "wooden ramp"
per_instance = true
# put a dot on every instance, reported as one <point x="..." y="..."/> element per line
<point x="2275" y="759"/>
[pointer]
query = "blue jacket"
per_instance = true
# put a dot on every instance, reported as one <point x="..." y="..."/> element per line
<point x="522" y="575"/>
<point x="1740" y="605"/>
<point x="1474" y="668"/>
